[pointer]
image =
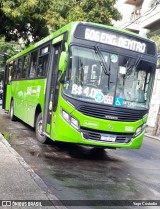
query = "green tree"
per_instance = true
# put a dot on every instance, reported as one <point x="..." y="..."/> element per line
<point x="7" y="49"/>
<point x="156" y="39"/>
<point x="98" y="11"/>
<point x="31" y="20"/>
<point x="23" y="19"/>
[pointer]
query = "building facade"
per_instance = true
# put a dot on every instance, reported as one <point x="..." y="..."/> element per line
<point x="140" y="16"/>
<point x="143" y="17"/>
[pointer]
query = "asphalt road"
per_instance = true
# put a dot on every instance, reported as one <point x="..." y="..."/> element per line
<point x="83" y="173"/>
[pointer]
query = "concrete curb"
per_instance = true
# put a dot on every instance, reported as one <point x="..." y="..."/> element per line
<point x="153" y="137"/>
<point x="34" y="176"/>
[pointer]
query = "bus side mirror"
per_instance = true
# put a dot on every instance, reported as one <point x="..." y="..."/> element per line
<point x="63" y="61"/>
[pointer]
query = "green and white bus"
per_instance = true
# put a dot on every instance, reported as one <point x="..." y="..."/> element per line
<point x="86" y="83"/>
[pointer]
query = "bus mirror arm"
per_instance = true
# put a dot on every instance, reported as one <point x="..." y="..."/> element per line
<point x="61" y="76"/>
<point x="63" y="61"/>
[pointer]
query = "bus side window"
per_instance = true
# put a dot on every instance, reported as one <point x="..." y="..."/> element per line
<point x="25" y="67"/>
<point x="14" y="70"/>
<point x="33" y="65"/>
<point x="9" y="74"/>
<point x="20" y="67"/>
<point x="43" y="62"/>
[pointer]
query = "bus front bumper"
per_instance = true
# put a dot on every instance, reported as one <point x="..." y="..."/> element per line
<point x="66" y="133"/>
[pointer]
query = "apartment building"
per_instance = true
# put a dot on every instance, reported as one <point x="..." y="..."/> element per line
<point x="143" y="17"/>
<point x="140" y="16"/>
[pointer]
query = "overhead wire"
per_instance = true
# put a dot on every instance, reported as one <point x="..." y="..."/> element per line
<point x="145" y="14"/>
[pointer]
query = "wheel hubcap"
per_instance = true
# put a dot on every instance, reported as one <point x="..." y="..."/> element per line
<point x="40" y="127"/>
<point x="11" y="110"/>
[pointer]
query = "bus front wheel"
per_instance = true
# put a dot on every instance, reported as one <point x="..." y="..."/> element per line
<point x="12" y="117"/>
<point x="41" y="138"/>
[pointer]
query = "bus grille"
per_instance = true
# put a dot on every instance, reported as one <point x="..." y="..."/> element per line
<point x="111" y="113"/>
<point x="93" y="135"/>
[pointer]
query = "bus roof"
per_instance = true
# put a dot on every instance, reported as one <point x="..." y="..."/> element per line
<point x="67" y="28"/>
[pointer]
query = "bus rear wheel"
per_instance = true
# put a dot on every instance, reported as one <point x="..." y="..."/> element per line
<point x="41" y="138"/>
<point x="12" y="116"/>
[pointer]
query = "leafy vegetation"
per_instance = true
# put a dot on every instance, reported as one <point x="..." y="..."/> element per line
<point x="32" y="20"/>
<point x="7" y="49"/>
<point x="23" y="19"/>
<point x="99" y="11"/>
<point x="156" y="39"/>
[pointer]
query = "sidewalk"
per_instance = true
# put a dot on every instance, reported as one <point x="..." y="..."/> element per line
<point x="149" y="133"/>
<point x="19" y="182"/>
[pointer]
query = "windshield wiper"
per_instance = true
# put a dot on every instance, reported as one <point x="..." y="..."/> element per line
<point x="106" y="69"/>
<point x="134" y="66"/>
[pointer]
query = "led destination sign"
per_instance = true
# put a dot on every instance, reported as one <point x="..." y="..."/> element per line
<point x="115" y="38"/>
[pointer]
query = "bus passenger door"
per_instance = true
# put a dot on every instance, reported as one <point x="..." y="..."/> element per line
<point x="6" y="88"/>
<point x="51" y="96"/>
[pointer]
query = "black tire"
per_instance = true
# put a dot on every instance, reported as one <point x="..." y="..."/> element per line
<point x="40" y="137"/>
<point x="12" y="116"/>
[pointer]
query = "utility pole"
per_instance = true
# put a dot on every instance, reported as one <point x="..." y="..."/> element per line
<point x="156" y="130"/>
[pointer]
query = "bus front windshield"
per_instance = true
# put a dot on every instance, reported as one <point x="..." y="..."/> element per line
<point x="108" y="78"/>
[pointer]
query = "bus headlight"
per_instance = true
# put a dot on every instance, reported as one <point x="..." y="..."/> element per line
<point x="65" y="115"/>
<point x="140" y="129"/>
<point x="72" y="121"/>
<point x="143" y="126"/>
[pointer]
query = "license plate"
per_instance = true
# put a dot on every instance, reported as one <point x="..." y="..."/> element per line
<point x="108" y="138"/>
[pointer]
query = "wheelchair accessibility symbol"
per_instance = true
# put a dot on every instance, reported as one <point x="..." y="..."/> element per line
<point x="118" y="101"/>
